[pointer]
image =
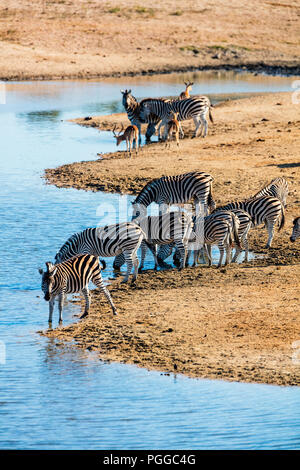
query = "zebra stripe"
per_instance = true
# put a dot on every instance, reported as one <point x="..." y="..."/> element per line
<point x="296" y="230"/>
<point x="133" y="110"/>
<point x="106" y="241"/>
<point x="173" y="227"/>
<point x="245" y="223"/>
<point x="195" y="108"/>
<point x="264" y="209"/>
<point x="71" y="276"/>
<point x="278" y="188"/>
<point x="220" y="228"/>
<point x="176" y="190"/>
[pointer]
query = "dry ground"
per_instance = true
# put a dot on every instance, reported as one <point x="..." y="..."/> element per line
<point x="46" y="39"/>
<point x="238" y="323"/>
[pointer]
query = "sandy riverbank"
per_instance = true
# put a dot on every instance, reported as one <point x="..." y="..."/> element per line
<point x="61" y="39"/>
<point x="234" y="324"/>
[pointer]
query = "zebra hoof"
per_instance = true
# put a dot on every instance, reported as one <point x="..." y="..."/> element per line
<point x="85" y="314"/>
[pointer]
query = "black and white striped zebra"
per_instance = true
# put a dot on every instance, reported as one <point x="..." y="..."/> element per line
<point x="217" y="229"/>
<point x="70" y="277"/>
<point x="195" y="108"/>
<point x="220" y="228"/>
<point x="296" y="230"/>
<point x="170" y="228"/>
<point x="110" y="240"/>
<point x="133" y="110"/>
<point x="245" y="223"/>
<point x="265" y="209"/>
<point x="177" y="189"/>
<point x="277" y="188"/>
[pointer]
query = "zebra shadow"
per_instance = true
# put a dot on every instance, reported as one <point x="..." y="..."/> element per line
<point x="285" y="165"/>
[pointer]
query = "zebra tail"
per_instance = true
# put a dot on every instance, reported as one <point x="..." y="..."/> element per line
<point x="282" y="218"/>
<point x="103" y="263"/>
<point x="210" y="116"/>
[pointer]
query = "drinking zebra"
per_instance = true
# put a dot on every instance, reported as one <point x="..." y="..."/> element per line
<point x="72" y="276"/>
<point x="177" y="189"/>
<point x="110" y="240"/>
<point x="195" y="108"/>
<point x="133" y="110"/>
<point x="277" y="188"/>
<point x="265" y="209"/>
<point x="172" y="227"/>
<point x="296" y="230"/>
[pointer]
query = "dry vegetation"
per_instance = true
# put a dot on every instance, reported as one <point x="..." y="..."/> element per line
<point x="88" y="38"/>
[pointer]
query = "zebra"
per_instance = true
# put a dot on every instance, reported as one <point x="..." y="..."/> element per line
<point x="172" y="227"/>
<point x="110" y="240"/>
<point x="277" y="188"/>
<point x="265" y="209"/>
<point x="245" y="223"/>
<point x="71" y="276"/>
<point x="177" y="189"/>
<point x="296" y="230"/>
<point x="195" y="108"/>
<point x="133" y="109"/>
<point x="220" y="228"/>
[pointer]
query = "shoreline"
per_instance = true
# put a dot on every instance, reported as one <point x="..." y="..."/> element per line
<point x="237" y="323"/>
<point x="281" y="69"/>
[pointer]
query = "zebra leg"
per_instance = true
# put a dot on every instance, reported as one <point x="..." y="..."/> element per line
<point x="221" y="248"/>
<point x="197" y="123"/>
<point x="228" y="253"/>
<point x="180" y="130"/>
<point x="270" y="226"/>
<point x="208" y="252"/>
<point x="143" y="255"/>
<point x="182" y="250"/>
<point x="204" y="125"/>
<point x="246" y="246"/>
<point x="118" y="262"/>
<point x="129" y="262"/>
<point x="85" y="292"/>
<point x="135" y="267"/>
<point x="60" y="305"/>
<point x="51" y="308"/>
<point x="98" y="281"/>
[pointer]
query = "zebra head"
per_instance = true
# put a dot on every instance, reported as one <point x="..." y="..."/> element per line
<point x="48" y="279"/>
<point x="296" y="230"/>
<point x="139" y="210"/>
<point x="128" y="100"/>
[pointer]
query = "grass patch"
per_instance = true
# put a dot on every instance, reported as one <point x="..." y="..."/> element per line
<point x="176" y="13"/>
<point x="144" y="11"/>
<point x="190" y="48"/>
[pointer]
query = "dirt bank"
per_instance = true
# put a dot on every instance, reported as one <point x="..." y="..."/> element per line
<point x="235" y="324"/>
<point x="67" y="39"/>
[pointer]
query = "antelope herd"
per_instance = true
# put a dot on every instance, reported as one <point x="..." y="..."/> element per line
<point x="185" y="230"/>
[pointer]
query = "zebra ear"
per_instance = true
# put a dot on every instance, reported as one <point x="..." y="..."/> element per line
<point x="41" y="271"/>
<point x="51" y="268"/>
<point x="122" y="91"/>
<point x="129" y="91"/>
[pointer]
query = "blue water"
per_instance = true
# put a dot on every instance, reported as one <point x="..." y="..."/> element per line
<point x="58" y="397"/>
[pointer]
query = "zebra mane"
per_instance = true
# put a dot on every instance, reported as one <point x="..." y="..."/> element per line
<point x="147" y="189"/>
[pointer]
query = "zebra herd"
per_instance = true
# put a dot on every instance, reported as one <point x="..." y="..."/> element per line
<point x="227" y="226"/>
<point x="158" y="111"/>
